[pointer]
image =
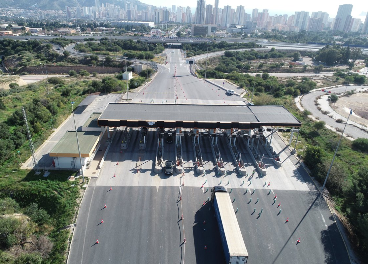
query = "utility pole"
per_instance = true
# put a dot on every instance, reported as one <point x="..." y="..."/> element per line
<point x="205" y="72"/>
<point x="76" y="135"/>
<point x="29" y="137"/>
<point x="333" y="159"/>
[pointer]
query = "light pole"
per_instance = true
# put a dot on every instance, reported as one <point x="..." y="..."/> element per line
<point x="76" y="135"/>
<point x="205" y="72"/>
<point x="333" y="159"/>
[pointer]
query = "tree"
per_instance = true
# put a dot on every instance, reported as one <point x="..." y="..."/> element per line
<point x="265" y="76"/>
<point x="361" y="144"/>
<point x="318" y="68"/>
<point x="178" y="34"/>
<point x="312" y="156"/>
<point x="66" y="54"/>
<point x="296" y="56"/>
<point x="319" y="125"/>
<point x="333" y="98"/>
<point x="72" y="73"/>
<point x="83" y="73"/>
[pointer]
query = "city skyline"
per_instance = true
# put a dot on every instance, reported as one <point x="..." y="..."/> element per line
<point x="359" y="8"/>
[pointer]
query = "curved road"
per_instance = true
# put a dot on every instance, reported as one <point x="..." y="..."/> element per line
<point x="308" y="103"/>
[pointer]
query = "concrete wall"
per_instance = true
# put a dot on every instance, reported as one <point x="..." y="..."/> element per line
<point x="69" y="163"/>
<point x="65" y="69"/>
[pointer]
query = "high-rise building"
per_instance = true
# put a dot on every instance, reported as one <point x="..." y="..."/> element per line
<point x="157" y="17"/>
<point x="226" y="16"/>
<point x="355" y="24"/>
<point x="262" y="18"/>
<point x="173" y="8"/>
<point x="365" y="26"/>
<point x="343" y="18"/>
<point x="301" y="20"/>
<point x="240" y="15"/>
<point x="216" y="12"/>
<point x="209" y="15"/>
<point x="200" y="12"/>
<point x="255" y="15"/>
<point x="188" y="13"/>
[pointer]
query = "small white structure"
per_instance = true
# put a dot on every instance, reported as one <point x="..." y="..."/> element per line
<point x="65" y="154"/>
<point x="127" y="75"/>
<point x="139" y="67"/>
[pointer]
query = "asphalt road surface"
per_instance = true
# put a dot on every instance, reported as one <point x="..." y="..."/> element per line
<point x="142" y="221"/>
<point x="308" y="104"/>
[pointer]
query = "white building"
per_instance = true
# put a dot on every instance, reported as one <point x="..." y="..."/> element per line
<point x="65" y="154"/>
<point x="127" y="75"/>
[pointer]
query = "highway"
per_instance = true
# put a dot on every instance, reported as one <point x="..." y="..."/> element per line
<point x="142" y="221"/>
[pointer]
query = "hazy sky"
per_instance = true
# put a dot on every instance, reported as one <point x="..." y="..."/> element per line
<point x="360" y="7"/>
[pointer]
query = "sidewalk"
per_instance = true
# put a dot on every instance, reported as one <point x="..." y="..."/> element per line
<point x="93" y="170"/>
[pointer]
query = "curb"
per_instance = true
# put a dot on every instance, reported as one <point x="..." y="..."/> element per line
<point x="70" y="238"/>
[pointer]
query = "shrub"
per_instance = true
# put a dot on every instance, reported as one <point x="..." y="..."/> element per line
<point x="72" y="73"/>
<point x="361" y="144"/>
<point x="319" y="125"/>
<point x="8" y="206"/>
<point x="83" y="73"/>
<point x="55" y="80"/>
<point x="312" y="156"/>
<point x="13" y="86"/>
<point x="38" y="215"/>
<point x="333" y="98"/>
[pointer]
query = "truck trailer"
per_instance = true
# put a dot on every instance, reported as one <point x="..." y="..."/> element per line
<point x="231" y="236"/>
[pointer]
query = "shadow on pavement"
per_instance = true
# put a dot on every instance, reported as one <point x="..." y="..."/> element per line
<point x="206" y="234"/>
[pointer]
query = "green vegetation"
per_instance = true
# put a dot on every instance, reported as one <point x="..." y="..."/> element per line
<point x="332" y="55"/>
<point x="361" y="144"/>
<point x="313" y="37"/>
<point x="333" y="98"/>
<point x="32" y="220"/>
<point x="201" y="48"/>
<point x="265" y="84"/>
<point x="351" y="77"/>
<point x="128" y="48"/>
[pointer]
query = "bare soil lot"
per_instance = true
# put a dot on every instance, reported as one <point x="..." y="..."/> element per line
<point x="357" y="102"/>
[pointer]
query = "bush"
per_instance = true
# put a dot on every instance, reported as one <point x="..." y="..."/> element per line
<point x="312" y="156"/>
<point x="38" y="215"/>
<point x="319" y="125"/>
<point x="30" y="258"/>
<point x="13" y="86"/>
<point x="72" y="73"/>
<point x="333" y="98"/>
<point x="55" y="80"/>
<point x="8" y="206"/>
<point x="361" y="144"/>
<point x="8" y="226"/>
<point x="83" y="73"/>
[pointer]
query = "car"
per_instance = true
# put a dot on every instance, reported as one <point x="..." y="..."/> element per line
<point x="230" y="92"/>
<point x="169" y="167"/>
<point x="169" y="138"/>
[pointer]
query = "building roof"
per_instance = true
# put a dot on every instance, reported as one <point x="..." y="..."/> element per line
<point x="92" y="120"/>
<point x="196" y="116"/>
<point x="67" y="145"/>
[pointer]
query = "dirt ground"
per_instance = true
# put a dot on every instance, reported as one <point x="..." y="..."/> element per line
<point x="358" y="102"/>
<point x="5" y="81"/>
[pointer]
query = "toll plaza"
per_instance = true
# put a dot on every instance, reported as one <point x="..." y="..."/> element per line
<point x="229" y="134"/>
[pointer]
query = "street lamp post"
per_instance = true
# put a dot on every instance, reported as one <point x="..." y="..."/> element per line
<point x="333" y="159"/>
<point x="76" y="135"/>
